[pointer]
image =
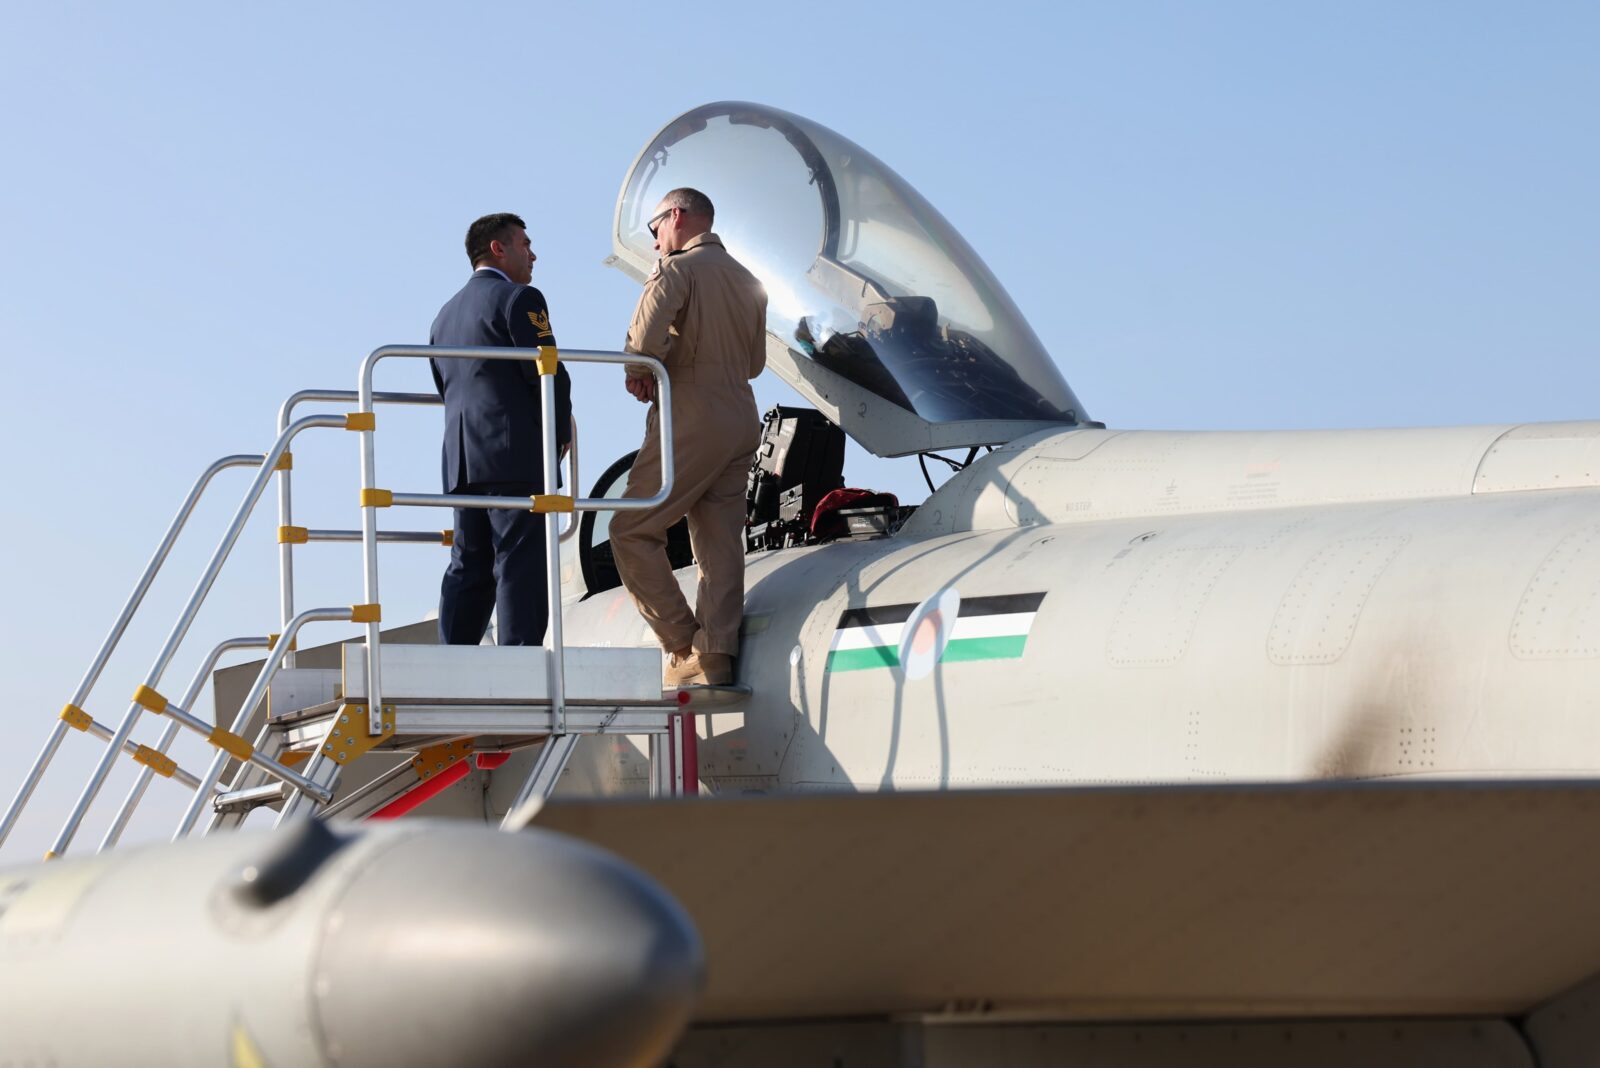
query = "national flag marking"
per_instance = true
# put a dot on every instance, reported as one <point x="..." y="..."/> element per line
<point x="987" y="628"/>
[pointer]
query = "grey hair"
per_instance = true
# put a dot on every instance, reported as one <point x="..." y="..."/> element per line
<point x="690" y="201"/>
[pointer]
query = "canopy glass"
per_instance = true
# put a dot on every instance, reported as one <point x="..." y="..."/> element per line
<point x="863" y="276"/>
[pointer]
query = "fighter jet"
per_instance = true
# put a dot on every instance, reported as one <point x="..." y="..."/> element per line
<point x="1083" y="604"/>
<point x="1124" y="747"/>
<point x="1032" y="700"/>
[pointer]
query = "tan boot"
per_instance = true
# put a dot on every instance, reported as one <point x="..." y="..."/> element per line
<point x="698" y="669"/>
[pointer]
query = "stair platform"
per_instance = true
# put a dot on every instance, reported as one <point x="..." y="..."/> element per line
<point x="499" y="696"/>
<point x="453" y="701"/>
<point x="493" y="727"/>
<point x="509" y="674"/>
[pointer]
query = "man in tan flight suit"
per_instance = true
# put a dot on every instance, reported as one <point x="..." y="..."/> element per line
<point x="704" y="317"/>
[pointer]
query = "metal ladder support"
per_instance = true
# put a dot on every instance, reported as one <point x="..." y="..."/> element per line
<point x="675" y="758"/>
<point x="170" y="732"/>
<point x="153" y="678"/>
<point x="85" y="686"/>
<point x="547" y="768"/>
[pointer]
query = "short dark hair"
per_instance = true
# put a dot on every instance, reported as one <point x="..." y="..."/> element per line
<point x="691" y="201"/>
<point x="496" y="227"/>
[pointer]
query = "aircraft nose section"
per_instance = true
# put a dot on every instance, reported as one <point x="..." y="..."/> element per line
<point x="459" y="945"/>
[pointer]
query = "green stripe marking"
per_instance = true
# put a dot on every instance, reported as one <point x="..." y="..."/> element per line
<point x="1009" y="647"/>
<point x="860" y="659"/>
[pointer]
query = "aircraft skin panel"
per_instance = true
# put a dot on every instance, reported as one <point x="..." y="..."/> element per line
<point x="1184" y="902"/>
<point x="1559" y="616"/>
<point x="1430" y="637"/>
<point x="1083" y="476"/>
<point x="1541" y="456"/>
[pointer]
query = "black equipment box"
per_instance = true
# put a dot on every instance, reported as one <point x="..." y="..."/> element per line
<point x="799" y="461"/>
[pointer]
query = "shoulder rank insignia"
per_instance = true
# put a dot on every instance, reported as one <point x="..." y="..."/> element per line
<point x="541" y="322"/>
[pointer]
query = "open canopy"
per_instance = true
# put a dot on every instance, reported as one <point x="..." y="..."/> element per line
<point x="878" y="311"/>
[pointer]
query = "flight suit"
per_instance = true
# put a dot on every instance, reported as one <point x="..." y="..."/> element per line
<point x="704" y="316"/>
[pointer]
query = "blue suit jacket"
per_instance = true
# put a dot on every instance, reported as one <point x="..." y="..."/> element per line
<point x="491" y="407"/>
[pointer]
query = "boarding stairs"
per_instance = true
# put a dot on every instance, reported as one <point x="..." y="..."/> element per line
<point x="307" y="741"/>
<point x="453" y="708"/>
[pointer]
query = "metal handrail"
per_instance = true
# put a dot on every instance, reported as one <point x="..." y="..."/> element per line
<point x="258" y="689"/>
<point x="136" y="793"/>
<point x="547" y="359"/>
<point x="285" y="491"/>
<point x="191" y="609"/>
<point x="109" y="645"/>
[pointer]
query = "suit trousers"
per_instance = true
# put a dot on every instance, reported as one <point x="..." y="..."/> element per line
<point x="712" y="449"/>
<point x="496" y="566"/>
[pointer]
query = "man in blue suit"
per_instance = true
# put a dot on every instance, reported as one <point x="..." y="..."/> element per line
<point x="493" y="439"/>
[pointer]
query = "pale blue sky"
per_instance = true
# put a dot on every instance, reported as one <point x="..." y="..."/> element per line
<point x="1222" y="215"/>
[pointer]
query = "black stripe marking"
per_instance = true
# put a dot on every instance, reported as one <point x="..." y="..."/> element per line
<point x="875" y="616"/>
<point x="886" y="614"/>
<point x="1002" y="605"/>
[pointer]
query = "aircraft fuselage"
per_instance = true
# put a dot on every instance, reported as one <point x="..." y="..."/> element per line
<point x="1149" y="606"/>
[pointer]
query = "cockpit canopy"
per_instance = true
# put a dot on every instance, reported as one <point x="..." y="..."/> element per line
<point x="872" y="296"/>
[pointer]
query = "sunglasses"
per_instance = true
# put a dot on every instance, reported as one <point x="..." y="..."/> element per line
<point x="653" y="223"/>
